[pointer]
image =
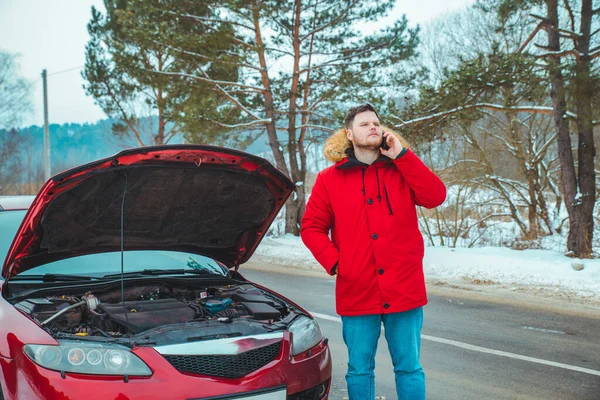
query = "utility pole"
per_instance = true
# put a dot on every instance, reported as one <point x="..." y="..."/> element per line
<point x="47" y="173"/>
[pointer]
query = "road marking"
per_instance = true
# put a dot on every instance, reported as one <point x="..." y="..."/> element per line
<point x="485" y="350"/>
<point x="531" y="328"/>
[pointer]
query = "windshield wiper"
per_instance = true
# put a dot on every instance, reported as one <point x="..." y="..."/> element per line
<point x="53" y="278"/>
<point x="151" y="272"/>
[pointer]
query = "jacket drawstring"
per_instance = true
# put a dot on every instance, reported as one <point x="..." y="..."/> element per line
<point x="378" y="188"/>
<point x="387" y="200"/>
<point x="364" y="192"/>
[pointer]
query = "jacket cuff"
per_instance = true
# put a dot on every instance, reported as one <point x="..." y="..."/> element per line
<point x="402" y="152"/>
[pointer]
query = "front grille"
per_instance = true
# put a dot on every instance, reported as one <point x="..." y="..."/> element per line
<point x="226" y="366"/>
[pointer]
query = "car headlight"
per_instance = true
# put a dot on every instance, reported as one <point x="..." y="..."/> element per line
<point x="87" y="358"/>
<point x="306" y="334"/>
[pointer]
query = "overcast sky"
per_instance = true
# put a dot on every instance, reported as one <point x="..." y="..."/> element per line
<point x="52" y="34"/>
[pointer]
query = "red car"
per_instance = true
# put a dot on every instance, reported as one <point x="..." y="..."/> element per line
<point x="122" y="282"/>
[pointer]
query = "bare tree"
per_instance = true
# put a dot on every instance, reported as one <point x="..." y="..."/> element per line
<point x="578" y="179"/>
<point x="15" y="93"/>
<point x="563" y="70"/>
<point x="11" y="165"/>
<point x="464" y="34"/>
<point x="15" y="105"/>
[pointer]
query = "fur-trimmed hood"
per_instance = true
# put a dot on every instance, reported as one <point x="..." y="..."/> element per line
<point x="336" y="144"/>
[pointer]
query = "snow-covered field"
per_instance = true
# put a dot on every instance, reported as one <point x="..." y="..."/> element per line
<point x="543" y="272"/>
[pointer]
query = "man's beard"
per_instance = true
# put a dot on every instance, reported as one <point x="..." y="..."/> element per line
<point x="366" y="146"/>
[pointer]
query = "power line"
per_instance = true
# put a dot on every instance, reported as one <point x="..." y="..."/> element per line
<point x="66" y="70"/>
<point x="57" y="73"/>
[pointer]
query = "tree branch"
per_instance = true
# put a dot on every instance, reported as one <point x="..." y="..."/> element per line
<point x="287" y="53"/>
<point x="595" y="54"/>
<point x="495" y="107"/>
<point x="557" y="54"/>
<point x="331" y="64"/>
<point x="319" y="127"/>
<point x="339" y="17"/>
<point x="176" y="129"/>
<point x="212" y="28"/>
<point x="530" y="38"/>
<point x="212" y="81"/>
<point x="509" y="145"/>
<point x="233" y="100"/>
<point x="570" y="11"/>
<point x="210" y="59"/>
<point x="317" y="114"/>
<point x="543" y="19"/>
<point x="546" y="25"/>
<point x="237" y="126"/>
<point x="539" y="155"/>
<point x="231" y="37"/>
<point x="220" y="21"/>
<point x="124" y="115"/>
<point x="502" y="123"/>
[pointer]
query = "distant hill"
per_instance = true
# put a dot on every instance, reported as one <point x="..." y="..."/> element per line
<point x="75" y="144"/>
<point x="70" y="145"/>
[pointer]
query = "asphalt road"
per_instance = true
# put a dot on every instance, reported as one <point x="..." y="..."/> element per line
<point x="472" y="348"/>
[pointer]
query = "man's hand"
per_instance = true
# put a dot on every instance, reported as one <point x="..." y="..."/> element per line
<point x="334" y="269"/>
<point x="395" y="147"/>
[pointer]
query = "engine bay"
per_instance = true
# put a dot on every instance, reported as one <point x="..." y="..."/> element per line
<point x="161" y="313"/>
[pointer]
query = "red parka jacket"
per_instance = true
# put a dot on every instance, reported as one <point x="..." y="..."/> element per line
<point x="375" y="242"/>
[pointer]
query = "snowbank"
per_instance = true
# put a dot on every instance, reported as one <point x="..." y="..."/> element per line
<point x="545" y="270"/>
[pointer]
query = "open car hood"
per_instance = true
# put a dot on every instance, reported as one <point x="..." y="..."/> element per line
<point x="198" y="199"/>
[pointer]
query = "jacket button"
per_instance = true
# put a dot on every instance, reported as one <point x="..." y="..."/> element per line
<point x="374" y="236"/>
<point x="370" y="201"/>
<point x="386" y="306"/>
<point x="380" y="271"/>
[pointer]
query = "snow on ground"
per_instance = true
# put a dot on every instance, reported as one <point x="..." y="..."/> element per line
<point x="537" y="270"/>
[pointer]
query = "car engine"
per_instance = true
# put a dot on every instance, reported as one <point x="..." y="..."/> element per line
<point x="165" y="312"/>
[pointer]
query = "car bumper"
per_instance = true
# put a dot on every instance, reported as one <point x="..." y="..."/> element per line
<point x="301" y="377"/>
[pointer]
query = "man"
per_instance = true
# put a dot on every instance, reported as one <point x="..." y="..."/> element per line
<point x="367" y="201"/>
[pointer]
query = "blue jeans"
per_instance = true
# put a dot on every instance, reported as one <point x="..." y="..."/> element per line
<point x="403" y="335"/>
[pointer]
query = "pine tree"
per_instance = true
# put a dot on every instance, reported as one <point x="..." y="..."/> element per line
<point x="300" y="64"/>
<point x="126" y="62"/>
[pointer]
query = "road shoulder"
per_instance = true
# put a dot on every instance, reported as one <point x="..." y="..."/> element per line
<point x="522" y="296"/>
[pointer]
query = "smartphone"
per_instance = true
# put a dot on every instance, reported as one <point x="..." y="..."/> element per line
<point x="384" y="144"/>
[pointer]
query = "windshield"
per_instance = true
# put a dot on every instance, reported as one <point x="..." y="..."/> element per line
<point x="9" y="223"/>
<point x="102" y="264"/>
